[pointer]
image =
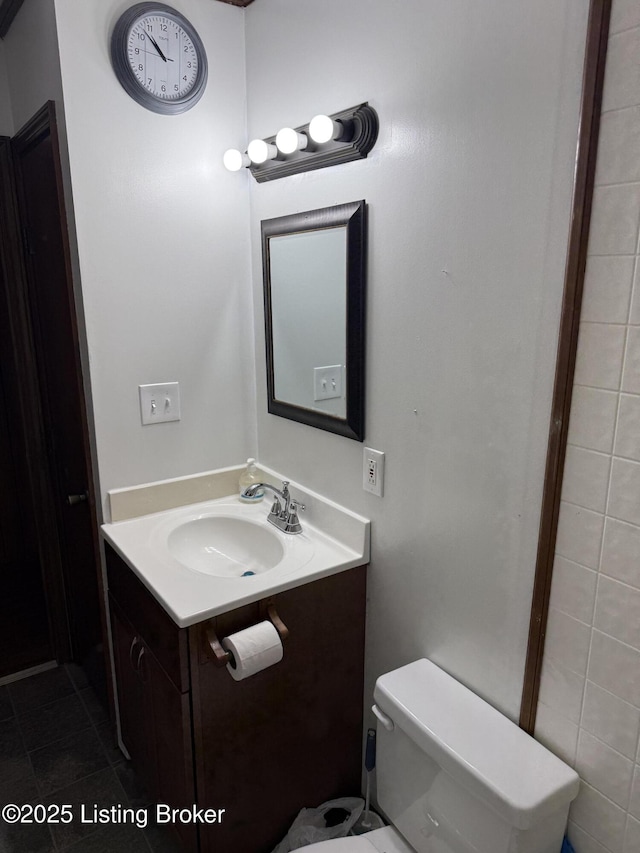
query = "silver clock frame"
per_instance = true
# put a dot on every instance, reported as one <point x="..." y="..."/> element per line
<point x="128" y="79"/>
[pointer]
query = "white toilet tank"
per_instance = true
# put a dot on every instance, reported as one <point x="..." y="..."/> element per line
<point x="456" y="776"/>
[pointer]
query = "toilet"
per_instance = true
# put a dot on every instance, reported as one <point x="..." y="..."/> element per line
<point x="456" y="776"/>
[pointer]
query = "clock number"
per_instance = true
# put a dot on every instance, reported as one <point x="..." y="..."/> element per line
<point x="176" y="88"/>
<point x="140" y="67"/>
<point x="163" y="28"/>
<point x="137" y="51"/>
<point x="185" y="78"/>
<point x="164" y="88"/>
<point x="150" y="80"/>
<point x="186" y="48"/>
<point x="149" y="28"/>
<point x="141" y="36"/>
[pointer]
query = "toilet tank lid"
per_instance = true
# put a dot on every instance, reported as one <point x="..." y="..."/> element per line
<point x="476" y="744"/>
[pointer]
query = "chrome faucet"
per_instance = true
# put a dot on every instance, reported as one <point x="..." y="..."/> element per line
<point x="284" y="509"/>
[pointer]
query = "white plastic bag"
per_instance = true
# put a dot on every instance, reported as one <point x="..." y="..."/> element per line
<point x="310" y="826"/>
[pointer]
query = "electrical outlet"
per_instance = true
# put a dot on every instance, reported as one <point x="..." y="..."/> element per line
<point x="373" y="471"/>
<point x="159" y="403"/>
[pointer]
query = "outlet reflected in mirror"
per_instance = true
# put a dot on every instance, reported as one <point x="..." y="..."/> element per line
<point x="314" y="290"/>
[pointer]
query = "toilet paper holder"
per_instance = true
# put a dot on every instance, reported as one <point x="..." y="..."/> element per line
<point x="221" y="656"/>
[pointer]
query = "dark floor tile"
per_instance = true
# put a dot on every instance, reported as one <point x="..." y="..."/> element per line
<point x="162" y="840"/>
<point x="40" y="689"/>
<point x="25" y="838"/>
<point x="49" y="723"/>
<point x="136" y="792"/>
<point x="6" y="708"/>
<point x="77" y="675"/>
<point x="11" y="744"/>
<point x="102" y="790"/>
<point x="94" y="706"/>
<point x="17" y="781"/>
<point x="107" y="734"/>
<point x="112" y="838"/>
<point x="61" y="763"/>
<point x="160" y="837"/>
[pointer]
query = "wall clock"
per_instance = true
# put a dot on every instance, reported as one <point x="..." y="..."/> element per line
<point x="159" y="58"/>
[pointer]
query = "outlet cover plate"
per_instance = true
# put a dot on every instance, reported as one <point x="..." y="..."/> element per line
<point x="373" y="471"/>
<point x="159" y="403"/>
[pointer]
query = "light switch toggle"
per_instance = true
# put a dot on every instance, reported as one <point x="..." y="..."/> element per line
<point x="159" y="403"/>
<point x="327" y="382"/>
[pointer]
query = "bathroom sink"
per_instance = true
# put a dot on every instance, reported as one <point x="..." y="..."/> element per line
<point x="206" y="558"/>
<point x="225" y="547"/>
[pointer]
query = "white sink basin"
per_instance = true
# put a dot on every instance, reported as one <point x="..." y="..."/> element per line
<point x="226" y="547"/>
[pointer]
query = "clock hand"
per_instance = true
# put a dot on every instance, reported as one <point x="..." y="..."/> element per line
<point x="142" y="50"/>
<point x="155" y="44"/>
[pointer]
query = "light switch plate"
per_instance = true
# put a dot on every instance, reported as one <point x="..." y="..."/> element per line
<point x="159" y="403"/>
<point x="327" y="382"/>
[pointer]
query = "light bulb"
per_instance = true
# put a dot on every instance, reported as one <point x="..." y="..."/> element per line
<point x="322" y="129"/>
<point x="260" y="151"/>
<point x="235" y="160"/>
<point x="289" y="140"/>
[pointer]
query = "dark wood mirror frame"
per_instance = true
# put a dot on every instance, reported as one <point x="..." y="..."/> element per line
<point x="354" y="216"/>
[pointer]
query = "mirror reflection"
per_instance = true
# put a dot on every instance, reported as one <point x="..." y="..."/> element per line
<point x="309" y="323"/>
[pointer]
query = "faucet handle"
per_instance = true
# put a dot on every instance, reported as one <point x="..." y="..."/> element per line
<point x="294" y="506"/>
<point x="293" y="522"/>
<point x="276" y="507"/>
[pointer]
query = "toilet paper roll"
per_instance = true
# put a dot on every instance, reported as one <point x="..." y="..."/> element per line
<point x="253" y="650"/>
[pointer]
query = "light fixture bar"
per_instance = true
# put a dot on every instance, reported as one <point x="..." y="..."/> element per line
<point x="359" y="135"/>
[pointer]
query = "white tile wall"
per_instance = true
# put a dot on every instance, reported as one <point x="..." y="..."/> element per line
<point x="589" y="708"/>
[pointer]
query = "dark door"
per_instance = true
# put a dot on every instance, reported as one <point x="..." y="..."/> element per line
<point x="60" y="460"/>
<point x="24" y="628"/>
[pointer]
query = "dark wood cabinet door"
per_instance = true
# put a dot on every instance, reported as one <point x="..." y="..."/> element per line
<point x="172" y="746"/>
<point x="135" y="722"/>
<point x="155" y="719"/>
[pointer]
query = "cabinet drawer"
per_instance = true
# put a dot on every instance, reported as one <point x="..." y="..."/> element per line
<point x="165" y="639"/>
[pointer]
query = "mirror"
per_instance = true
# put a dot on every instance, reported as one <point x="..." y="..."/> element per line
<point x="314" y="299"/>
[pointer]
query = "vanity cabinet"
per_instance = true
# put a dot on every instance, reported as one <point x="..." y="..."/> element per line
<point x="286" y="738"/>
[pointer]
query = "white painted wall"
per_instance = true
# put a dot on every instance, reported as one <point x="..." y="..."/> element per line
<point x="6" y="116"/>
<point x="163" y="245"/>
<point x="33" y="64"/>
<point x="469" y="192"/>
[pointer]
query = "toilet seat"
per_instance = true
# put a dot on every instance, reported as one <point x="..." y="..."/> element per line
<point x="385" y="840"/>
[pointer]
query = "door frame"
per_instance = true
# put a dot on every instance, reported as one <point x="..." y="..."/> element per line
<point x="584" y="177"/>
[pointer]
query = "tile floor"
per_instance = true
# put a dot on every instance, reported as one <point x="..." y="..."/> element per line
<point x="57" y="747"/>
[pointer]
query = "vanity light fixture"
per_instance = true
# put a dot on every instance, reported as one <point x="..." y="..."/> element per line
<point x="289" y="140"/>
<point x="323" y="128"/>
<point x="260" y="151"/>
<point x="326" y="141"/>
<point x="235" y="160"/>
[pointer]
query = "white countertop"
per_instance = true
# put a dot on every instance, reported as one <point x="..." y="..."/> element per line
<point x="190" y="596"/>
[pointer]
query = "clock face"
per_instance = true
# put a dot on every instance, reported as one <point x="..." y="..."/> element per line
<point x="159" y="58"/>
